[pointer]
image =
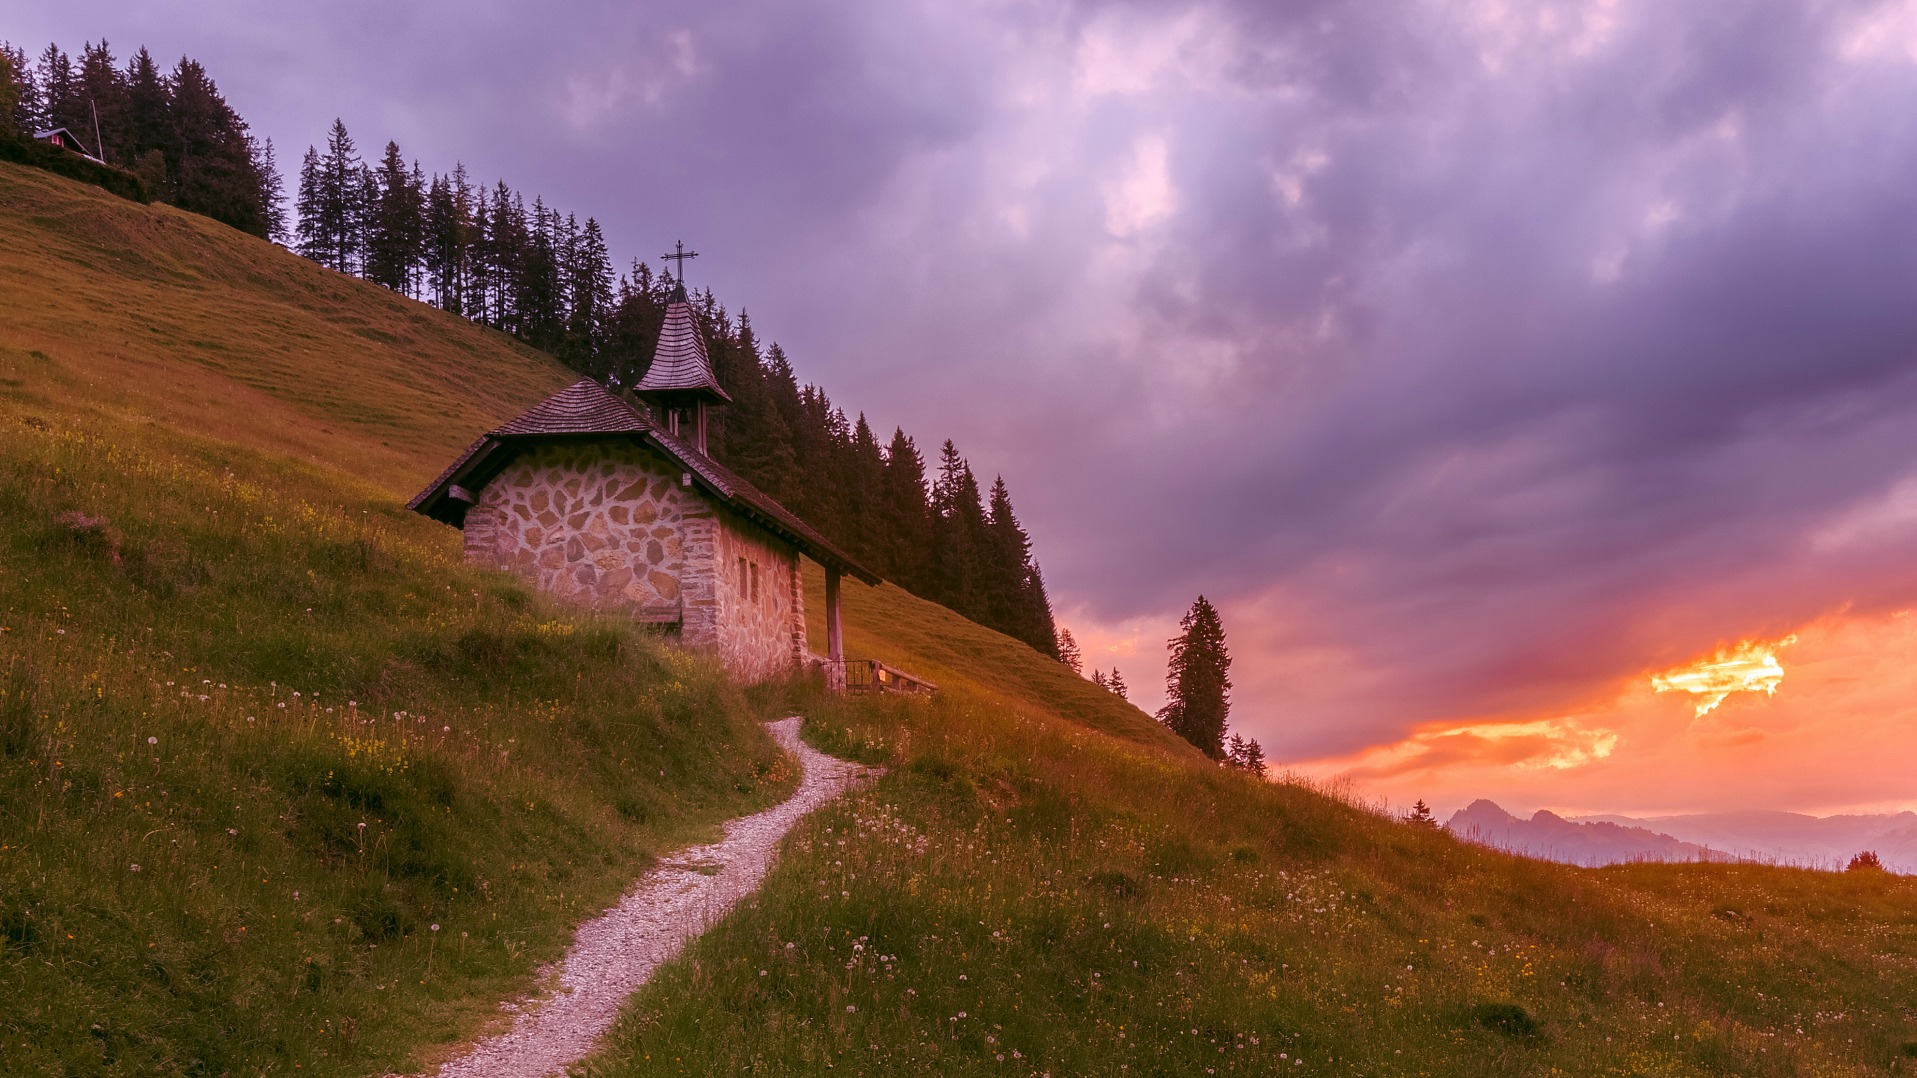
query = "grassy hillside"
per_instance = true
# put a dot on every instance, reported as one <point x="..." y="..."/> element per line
<point x="204" y="443"/>
<point x="1038" y="887"/>
<point x="283" y="787"/>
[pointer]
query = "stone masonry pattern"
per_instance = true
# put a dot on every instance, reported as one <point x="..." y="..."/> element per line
<point x="607" y="524"/>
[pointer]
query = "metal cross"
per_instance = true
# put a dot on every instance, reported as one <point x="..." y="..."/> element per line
<point x="679" y="255"/>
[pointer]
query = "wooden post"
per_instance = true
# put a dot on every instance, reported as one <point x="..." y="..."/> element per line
<point x="834" y="631"/>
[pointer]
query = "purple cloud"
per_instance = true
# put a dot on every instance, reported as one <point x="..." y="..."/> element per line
<point x="1467" y="357"/>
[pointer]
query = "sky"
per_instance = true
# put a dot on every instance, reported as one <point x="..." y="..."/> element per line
<point x="1483" y="362"/>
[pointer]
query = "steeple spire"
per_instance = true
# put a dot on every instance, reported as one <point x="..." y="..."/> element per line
<point x="680" y="385"/>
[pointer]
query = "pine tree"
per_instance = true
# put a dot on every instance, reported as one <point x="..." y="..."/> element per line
<point x="1198" y="682"/>
<point x="394" y="223"/>
<point x="1068" y="652"/>
<point x="589" y="295"/>
<point x="308" y="239"/>
<point x="24" y="94"/>
<point x="10" y="92"/>
<point x="447" y="239"/>
<point x="1246" y="754"/>
<point x="272" y="191"/>
<point x="1420" y="815"/>
<point x="1116" y="683"/>
<point x="102" y="94"/>
<point x="1098" y="679"/>
<point x="149" y="122"/>
<point x="908" y="515"/>
<point x="148" y="106"/>
<point x="59" y="104"/>
<point x="1016" y="604"/>
<point x="211" y="158"/>
<point x="958" y="536"/>
<point x="332" y="203"/>
<point x="868" y="520"/>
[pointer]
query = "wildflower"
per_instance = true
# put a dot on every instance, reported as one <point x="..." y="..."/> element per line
<point x="849" y="1008"/>
<point x="134" y="868"/>
<point x="435" y="928"/>
<point x="153" y="741"/>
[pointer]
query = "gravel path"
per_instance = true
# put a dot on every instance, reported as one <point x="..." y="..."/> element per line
<point x="618" y="951"/>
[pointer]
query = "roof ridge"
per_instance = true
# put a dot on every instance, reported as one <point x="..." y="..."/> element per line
<point x="584" y="407"/>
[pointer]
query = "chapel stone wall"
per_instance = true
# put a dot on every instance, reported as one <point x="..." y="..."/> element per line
<point x="603" y="524"/>
<point x="608" y="525"/>
<point x="758" y="600"/>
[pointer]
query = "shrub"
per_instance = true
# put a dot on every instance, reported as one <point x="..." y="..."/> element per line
<point x="1506" y="1018"/>
<point x="1865" y="862"/>
<point x="26" y="151"/>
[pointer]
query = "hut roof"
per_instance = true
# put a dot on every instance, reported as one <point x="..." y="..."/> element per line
<point x="66" y="139"/>
<point x="679" y="363"/>
<point x="585" y="410"/>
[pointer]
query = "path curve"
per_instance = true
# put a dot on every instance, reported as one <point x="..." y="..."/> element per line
<point x="618" y="951"/>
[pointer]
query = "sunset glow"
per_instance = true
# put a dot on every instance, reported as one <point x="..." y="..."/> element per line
<point x="1751" y="666"/>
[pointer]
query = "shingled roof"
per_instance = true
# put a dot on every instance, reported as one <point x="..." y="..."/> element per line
<point x="586" y="410"/>
<point x="679" y="363"/>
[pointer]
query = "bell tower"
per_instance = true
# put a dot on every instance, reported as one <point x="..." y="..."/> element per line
<point x="679" y="386"/>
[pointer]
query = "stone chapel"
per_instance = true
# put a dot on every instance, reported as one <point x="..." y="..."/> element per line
<point x="616" y="506"/>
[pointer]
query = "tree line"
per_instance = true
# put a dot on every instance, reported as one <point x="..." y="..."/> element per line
<point x="172" y="129"/>
<point x="546" y="278"/>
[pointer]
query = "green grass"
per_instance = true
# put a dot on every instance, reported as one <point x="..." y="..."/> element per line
<point x="260" y="731"/>
<point x="236" y="429"/>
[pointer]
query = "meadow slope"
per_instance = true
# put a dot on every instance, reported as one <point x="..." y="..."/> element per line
<point x="204" y="444"/>
<point x="1039" y="887"/>
<point x="285" y="788"/>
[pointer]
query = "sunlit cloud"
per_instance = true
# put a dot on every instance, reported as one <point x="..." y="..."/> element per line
<point x="1751" y="666"/>
<point x="1545" y="745"/>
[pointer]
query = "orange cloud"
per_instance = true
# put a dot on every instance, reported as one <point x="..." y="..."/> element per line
<point x="1835" y="730"/>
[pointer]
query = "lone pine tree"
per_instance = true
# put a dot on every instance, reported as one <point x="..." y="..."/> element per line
<point x="1198" y="681"/>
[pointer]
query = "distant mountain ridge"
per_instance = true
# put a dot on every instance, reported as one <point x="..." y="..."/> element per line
<point x="1551" y="837"/>
<point x="1790" y="837"/>
<point x="1767" y="836"/>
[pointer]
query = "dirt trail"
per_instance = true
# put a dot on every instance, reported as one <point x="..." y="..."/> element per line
<point x="617" y="952"/>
